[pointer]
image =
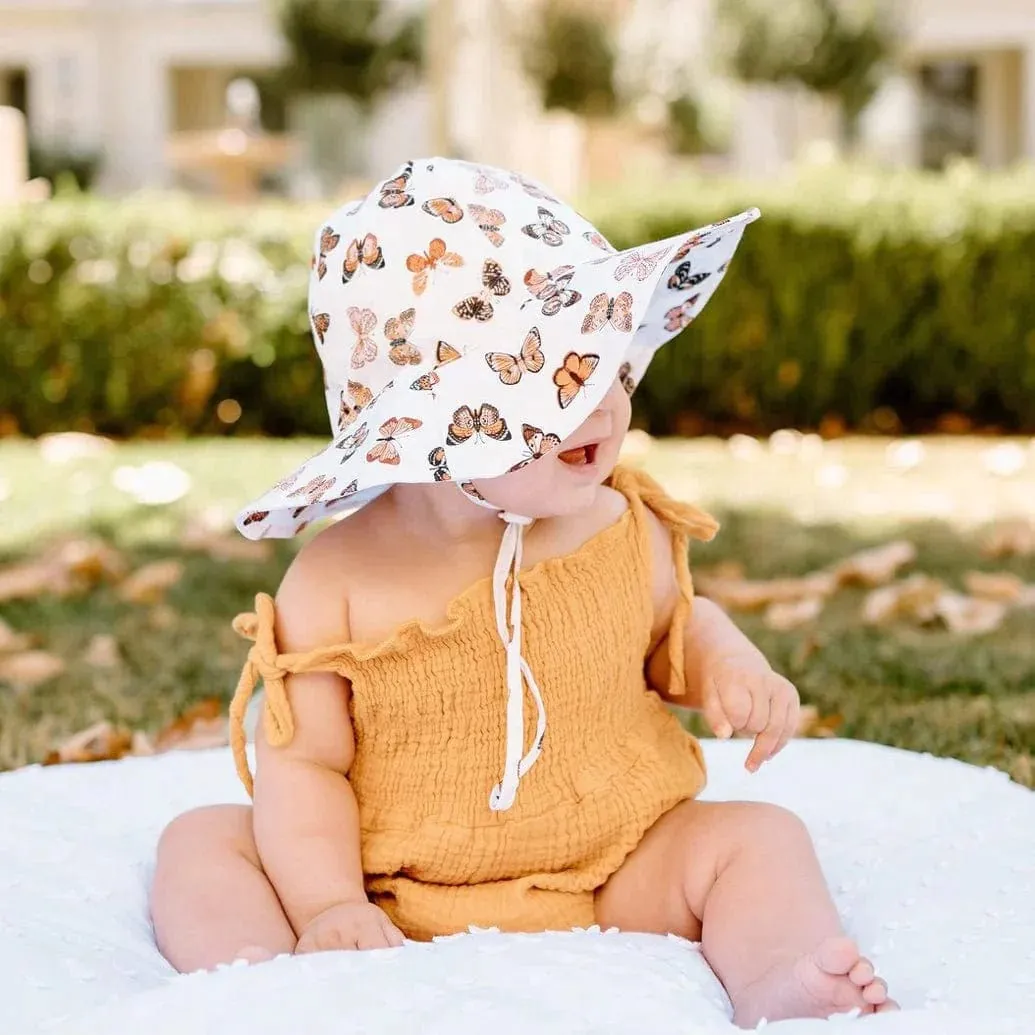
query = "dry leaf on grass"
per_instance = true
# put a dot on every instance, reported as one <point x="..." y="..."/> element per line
<point x="1013" y="538"/>
<point x="1023" y="770"/>
<point x="202" y="726"/>
<point x="33" y="579"/>
<point x="147" y="585"/>
<point x="969" y="615"/>
<point x="89" y="560"/>
<point x="30" y="668"/>
<point x="753" y="595"/>
<point x="793" y="614"/>
<point x="103" y="651"/>
<point x="1001" y="586"/>
<point x="10" y="641"/>
<point x="101" y="742"/>
<point x="812" y="724"/>
<point x="875" y="567"/>
<point x="915" y="598"/>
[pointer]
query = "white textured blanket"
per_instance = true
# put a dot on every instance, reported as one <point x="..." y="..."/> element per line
<point x="932" y="862"/>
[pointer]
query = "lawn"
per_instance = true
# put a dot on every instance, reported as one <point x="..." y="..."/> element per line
<point x="789" y="506"/>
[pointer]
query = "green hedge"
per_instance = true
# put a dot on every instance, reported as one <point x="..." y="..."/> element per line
<point x="854" y="294"/>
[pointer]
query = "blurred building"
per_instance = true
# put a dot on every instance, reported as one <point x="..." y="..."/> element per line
<point x="139" y="81"/>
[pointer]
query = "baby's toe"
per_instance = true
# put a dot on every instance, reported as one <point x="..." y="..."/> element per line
<point x="888" y="1006"/>
<point x="862" y="973"/>
<point x="837" y="956"/>
<point x="876" y="992"/>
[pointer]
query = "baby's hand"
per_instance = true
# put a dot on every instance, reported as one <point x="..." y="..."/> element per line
<point x="349" y="925"/>
<point x="742" y="694"/>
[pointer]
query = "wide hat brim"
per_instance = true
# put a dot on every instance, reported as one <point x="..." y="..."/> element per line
<point x="632" y="302"/>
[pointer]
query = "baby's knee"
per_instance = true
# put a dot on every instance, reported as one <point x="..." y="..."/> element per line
<point x="773" y="824"/>
<point x="207" y="831"/>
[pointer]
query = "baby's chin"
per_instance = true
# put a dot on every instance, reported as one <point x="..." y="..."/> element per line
<point x="556" y="489"/>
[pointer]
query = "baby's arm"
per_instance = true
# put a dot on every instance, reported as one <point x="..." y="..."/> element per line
<point x="725" y="676"/>
<point x="306" y="819"/>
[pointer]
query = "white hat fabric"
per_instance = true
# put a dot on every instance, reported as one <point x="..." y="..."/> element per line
<point x="467" y="322"/>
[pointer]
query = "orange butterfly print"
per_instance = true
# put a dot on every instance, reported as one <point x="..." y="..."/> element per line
<point x="486" y="182"/>
<point x="355" y="398"/>
<point x="366" y="252"/>
<point x="471" y="423"/>
<point x="479" y="307"/>
<point x="687" y="246"/>
<point x="552" y="289"/>
<point x="256" y="516"/>
<point x="614" y="311"/>
<point x="351" y="443"/>
<point x="681" y="316"/>
<point x="598" y="240"/>
<point x="445" y="208"/>
<point x="421" y="266"/>
<point x="573" y="376"/>
<point x="469" y="488"/>
<point x="538" y="444"/>
<point x="321" y="325"/>
<point x="395" y="193"/>
<point x="386" y="449"/>
<point x="636" y="265"/>
<point x="444" y="355"/>
<point x="363" y="321"/>
<point x="530" y="360"/>
<point x="550" y="230"/>
<point x="438" y="464"/>
<point x="625" y="376"/>
<point x="401" y="350"/>
<point x="314" y="489"/>
<point x="490" y="221"/>
<point x="329" y="240"/>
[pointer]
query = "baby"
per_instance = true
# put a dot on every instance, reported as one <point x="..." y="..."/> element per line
<point x="480" y="341"/>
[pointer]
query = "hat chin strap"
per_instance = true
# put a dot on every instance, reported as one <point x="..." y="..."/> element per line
<point x="508" y="566"/>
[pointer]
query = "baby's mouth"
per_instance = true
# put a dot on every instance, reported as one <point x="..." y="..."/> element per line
<point x="581" y="456"/>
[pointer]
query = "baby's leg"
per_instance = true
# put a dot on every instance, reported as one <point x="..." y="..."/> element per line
<point x="211" y="902"/>
<point x="744" y="879"/>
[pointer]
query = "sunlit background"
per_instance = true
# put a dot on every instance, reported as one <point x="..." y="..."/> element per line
<point x="865" y="380"/>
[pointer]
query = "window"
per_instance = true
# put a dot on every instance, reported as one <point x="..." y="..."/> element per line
<point x="948" y="112"/>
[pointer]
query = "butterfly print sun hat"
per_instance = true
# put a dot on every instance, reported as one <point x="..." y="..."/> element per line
<point x="468" y="322"/>
<point x="465" y="318"/>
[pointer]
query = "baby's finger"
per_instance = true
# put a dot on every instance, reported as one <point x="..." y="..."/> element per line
<point x="716" y="717"/>
<point x="393" y="936"/>
<point x="372" y="936"/>
<point x="761" y="696"/>
<point x="790" y="724"/>
<point x="734" y="698"/>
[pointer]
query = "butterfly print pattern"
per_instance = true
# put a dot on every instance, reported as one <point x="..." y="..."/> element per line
<point x="550" y="230"/>
<point x="573" y="376"/>
<point x="386" y="449"/>
<point x="473" y="423"/>
<point x="604" y="310"/>
<point x="479" y="307"/>
<point x="421" y="266"/>
<point x="552" y="289"/>
<point x="440" y="271"/>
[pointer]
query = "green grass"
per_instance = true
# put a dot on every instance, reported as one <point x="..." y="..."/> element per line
<point x="783" y="513"/>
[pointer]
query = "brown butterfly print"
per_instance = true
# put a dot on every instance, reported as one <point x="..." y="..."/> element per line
<point x="386" y="449"/>
<point x="598" y="240"/>
<point x="604" y="310"/>
<point x="321" y="325"/>
<point x="439" y="466"/>
<point x="355" y="398"/>
<point x="445" y="208"/>
<point x="639" y="266"/>
<point x="550" y="230"/>
<point x="625" y="376"/>
<point x="552" y="289"/>
<point x="444" y="355"/>
<point x="363" y="322"/>
<point x="401" y="350"/>
<point x="688" y="245"/>
<point x="366" y="252"/>
<point x="533" y="190"/>
<point x="538" y="443"/>
<point x="681" y="316"/>
<point x="479" y="307"/>
<point x="684" y="277"/>
<point x="287" y="481"/>
<point x="350" y="490"/>
<point x="490" y="221"/>
<point x="473" y="423"/>
<point x="395" y="193"/>
<point x="314" y="489"/>
<point x="329" y="240"/>
<point x="485" y="182"/>
<point x="255" y="517"/>
<point x="529" y="360"/>
<point x="350" y="444"/>
<point x="421" y="266"/>
<point x="572" y="376"/>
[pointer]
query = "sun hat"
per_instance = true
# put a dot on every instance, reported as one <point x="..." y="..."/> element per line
<point x="467" y="322"/>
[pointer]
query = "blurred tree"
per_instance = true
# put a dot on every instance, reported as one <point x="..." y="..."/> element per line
<point x="569" y="53"/>
<point x="359" y="48"/>
<point x="839" y="48"/>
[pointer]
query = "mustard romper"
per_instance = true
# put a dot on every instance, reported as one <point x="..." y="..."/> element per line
<point x="428" y="708"/>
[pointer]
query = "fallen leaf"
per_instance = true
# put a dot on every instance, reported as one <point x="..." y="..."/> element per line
<point x="33" y="579"/>
<point x="1001" y="586"/>
<point x="202" y="726"/>
<point x="10" y="641"/>
<point x="1023" y="770"/>
<point x="90" y="560"/>
<point x="968" y="615"/>
<point x="812" y="724"/>
<point x="101" y="742"/>
<point x="877" y="566"/>
<point x="1013" y="538"/>
<point x="30" y="668"/>
<point x="915" y="598"/>
<point x="103" y="651"/>
<point x="753" y="595"/>
<point x="148" y="584"/>
<point x="793" y="614"/>
<point x="229" y="548"/>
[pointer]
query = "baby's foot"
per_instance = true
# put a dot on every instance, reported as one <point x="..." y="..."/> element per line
<point x="832" y="979"/>
<point x="253" y="954"/>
